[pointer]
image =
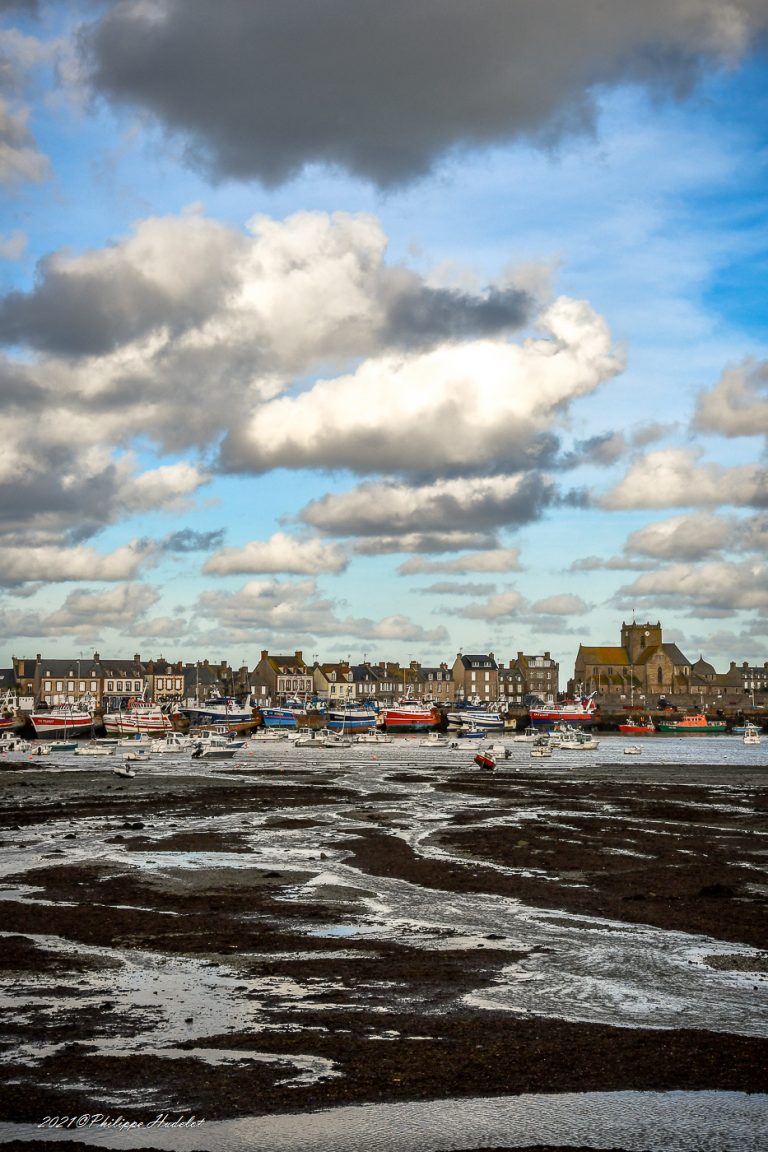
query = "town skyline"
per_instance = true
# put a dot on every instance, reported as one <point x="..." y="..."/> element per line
<point x="441" y="330"/>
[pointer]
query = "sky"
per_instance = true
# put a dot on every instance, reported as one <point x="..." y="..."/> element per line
<point x="383" y="331"/>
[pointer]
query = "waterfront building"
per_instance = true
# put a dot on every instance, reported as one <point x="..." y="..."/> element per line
<point x="279" y="678"/>
<point x="540" y="675"/>
<point x="438" y="684"/>
<point x="333" y="683"/>
<point x="476" y="678"/>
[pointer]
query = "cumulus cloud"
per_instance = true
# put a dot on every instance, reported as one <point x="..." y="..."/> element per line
<point x="86" y="613"/>
<point x="493" y="560"/>
<point x="718" y="588"/>
<point x="565" y="604"/>
<point x="54" y="564"/>
<point x="683" y="537"/>
<point x="477" y="404"/>
<point x="408" y="84"/>
<point x="675" y="477"/>
<point x="448" y="541"/>
<point x="738" y="403"/>
<point x="149" y="328"/>
<point x="291" y="609"/>
<point x="503" y="605"/>
<point x="281" y="553"/>
<point x="456" y="588"/>
<point x="392" y="509"/>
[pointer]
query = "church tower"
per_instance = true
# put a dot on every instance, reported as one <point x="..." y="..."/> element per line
<point x="635" y="638"/>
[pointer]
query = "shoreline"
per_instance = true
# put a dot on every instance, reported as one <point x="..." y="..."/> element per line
<point x="388" y="1019"/>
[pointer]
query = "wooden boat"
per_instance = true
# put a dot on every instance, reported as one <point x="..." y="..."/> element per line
<point x="632" y="750"/>
<point x="484" y="760"/>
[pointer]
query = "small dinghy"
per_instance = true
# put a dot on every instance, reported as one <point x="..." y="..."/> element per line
<point x="123" y="770"/>
<point x="484" y="760"/>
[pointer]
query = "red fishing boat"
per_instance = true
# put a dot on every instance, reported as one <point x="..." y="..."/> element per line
<point x="634" y="725"/>
<point x="570" y="711"/>
<point x="409" y="716"/>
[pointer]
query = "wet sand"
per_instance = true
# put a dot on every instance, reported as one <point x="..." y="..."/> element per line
<point x="383" y="1020"/>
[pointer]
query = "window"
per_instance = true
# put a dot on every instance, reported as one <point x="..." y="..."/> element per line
<point x="81" y="686"/>
<point x="59" y="685"/>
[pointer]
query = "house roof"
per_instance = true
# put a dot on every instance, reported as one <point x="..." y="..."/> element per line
<point x="478" y="661"/>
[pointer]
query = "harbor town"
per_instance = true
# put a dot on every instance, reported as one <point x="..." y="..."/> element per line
<point x="318" y="897"/>
<point x="642" y="675"/>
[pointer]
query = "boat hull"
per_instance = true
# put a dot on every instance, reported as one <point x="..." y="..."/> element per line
<point x="48" y="725"/>
<point x="410" y="720"/>
<point x="151" y="723"/>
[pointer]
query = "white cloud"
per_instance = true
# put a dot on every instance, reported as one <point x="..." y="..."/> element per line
<point x="457" y="407"/>
<point x="54" y="564"/>
<point x="494" y="560"/>
<point x="281" y="553"/>
<point x="683" y="537"/>
<point x="564" y="604"/>
<point x="498" y="607"/>
<point x="292" y="609"/>
<point x="479" y="503"/>
<point x="675" y="477"/>
<point x="719" y="587"/>
<point x="738" y="404"/>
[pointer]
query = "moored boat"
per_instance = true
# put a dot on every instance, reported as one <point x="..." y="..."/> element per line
<point x="570" y="711"/>
<point x="696" y="724"/>
<point x="751" y="734"/>
<point x="65" y="720"/>
<point x="138" y="717"/>
<point x="637" y="724"/>
<point x="352" y="719"/>
<point x="219" y="710"/>
<point x="409" y="716"/>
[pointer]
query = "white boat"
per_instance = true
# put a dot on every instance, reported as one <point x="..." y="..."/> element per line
<point x="138" y="716"/>
<point x="94" y="748"/>
<point x="269" y="735"/>
<point x="171" y="745"/>
<point x="136" y="754"/>
<point x="574" y="740"/>
<point x="40" y="749"/>
<point x="633" y="750"/>
<point x="10" y="743"/>
<point x="327" y="739"/>
<point x="199" y="752"/>
<point x="540" y="750"/>
<point x="218" y="736"/>
<point x="527" y="737"/>
<point x="64" y="719"/>
<point x="751" y="734"/>
<point x="379" y="738"/>
<point x="487" y="718"/>
<point x="123" y="770"/>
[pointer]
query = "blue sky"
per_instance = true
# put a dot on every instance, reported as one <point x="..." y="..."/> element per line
<point x="383" y="331"/>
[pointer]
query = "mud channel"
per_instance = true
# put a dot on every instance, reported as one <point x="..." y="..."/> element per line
<point x="286" y="934"/>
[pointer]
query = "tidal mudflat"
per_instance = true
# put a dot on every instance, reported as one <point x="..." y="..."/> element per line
<point x="386" y="926"/>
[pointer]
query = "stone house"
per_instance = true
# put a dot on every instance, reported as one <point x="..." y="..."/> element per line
<point x="333" y="683"/>
<point x="280" y="678"/>
<point x="476" y="677"/>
